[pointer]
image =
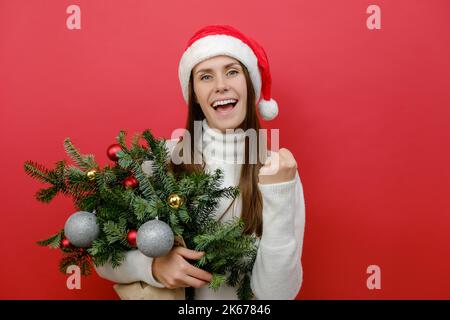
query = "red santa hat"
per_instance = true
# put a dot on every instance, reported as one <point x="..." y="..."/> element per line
<point x="215" y="40"/>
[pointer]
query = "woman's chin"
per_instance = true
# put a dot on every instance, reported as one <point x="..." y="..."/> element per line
<point x="230" y="120"/>
<point x="224" y="124"/>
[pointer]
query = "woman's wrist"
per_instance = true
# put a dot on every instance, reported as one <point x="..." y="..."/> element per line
<point x="154" y="270"/>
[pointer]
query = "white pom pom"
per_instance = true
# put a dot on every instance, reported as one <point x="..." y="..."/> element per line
<point x="268" y="109"/>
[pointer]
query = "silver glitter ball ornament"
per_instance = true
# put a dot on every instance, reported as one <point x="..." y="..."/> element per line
<point x="155" y="238"/>
<point x="81" y="229"/>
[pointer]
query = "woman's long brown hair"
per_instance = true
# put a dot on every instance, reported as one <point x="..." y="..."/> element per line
<point x="252" y="204"/>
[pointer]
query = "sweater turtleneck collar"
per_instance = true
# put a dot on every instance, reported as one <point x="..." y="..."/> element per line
<point x="222" y="147"/>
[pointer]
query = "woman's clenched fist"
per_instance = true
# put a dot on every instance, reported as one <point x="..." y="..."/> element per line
<point x="279" y="167"/>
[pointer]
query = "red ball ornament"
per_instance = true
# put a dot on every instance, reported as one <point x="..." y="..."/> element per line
<point x="130" y="182"/>
<point x="131" y="237"/>
<point x="112" y="150"/>
<point x="66" y="243"/>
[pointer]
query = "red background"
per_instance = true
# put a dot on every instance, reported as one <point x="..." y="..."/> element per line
<point x="365" y="112"/>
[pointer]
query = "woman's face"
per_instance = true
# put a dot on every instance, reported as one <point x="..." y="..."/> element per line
<point x="221" y="90"/>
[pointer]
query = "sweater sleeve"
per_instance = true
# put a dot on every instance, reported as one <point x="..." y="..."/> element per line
<point x="277" y="273"/>
<point x="135" y="267"/>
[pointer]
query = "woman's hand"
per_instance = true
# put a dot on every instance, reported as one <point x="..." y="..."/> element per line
<point x="279" y="167"/>
<point x="173" y="271"/>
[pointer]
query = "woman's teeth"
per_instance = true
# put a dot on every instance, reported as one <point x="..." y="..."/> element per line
<point x="224" y="102"/>
<point x="224" y="106"/>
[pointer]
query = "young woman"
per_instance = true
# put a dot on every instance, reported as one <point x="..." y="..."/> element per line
<point x="223" y="75"/>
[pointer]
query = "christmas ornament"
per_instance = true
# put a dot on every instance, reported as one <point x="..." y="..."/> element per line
<point x="131" y="237"/>
<point x="91" y="174"/>
<point x="81" y="229"/>
<point x="175" y="201"/>
<point x="65" y="243"/>
<point x="112" y="150"/>
<point x="130" y="182"/>
<point x="155" y="238"/>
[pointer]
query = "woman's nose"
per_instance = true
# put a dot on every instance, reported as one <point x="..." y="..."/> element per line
<point x="221" y="84"/>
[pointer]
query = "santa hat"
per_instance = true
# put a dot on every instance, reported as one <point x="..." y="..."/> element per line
<point x="215" y="40"/>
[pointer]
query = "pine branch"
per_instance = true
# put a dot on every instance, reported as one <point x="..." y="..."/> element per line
<point x="56" y="177"/>
<point x="145" y="210"/>
<point x="37" y="171"/>
<point x="125" y="159"/>
<point x="115" y="231"/>
<point x="47" y="195"/>
<point x="121" y="139"/>
<point x="117" y="256"/>
<point x="88" y="203"/>
<point x="98" y="247"/>
<point x="144" y="184"/>
<point x="184" y="215"/>
<point x="79" y="259"/>
<point x="216" y="281"/>
<point x="85" y="162"/>
<point x="244" y="290"/>
<point x="137" y="151"/>
<point x="175" y="225"/>
<point x="52" y="242"/>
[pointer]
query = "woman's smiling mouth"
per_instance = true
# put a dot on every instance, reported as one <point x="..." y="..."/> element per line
<point x="224" y="106"/>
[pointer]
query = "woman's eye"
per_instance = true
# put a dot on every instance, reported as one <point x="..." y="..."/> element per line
<point x="205" y="77"/>
<point x="232" y="72"/>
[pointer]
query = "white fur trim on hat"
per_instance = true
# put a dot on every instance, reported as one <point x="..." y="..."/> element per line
<point x="268" y="109"/>
<point x="216" y="45"/>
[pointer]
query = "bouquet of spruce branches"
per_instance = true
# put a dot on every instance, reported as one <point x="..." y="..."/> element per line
<point x="118" y="201"/>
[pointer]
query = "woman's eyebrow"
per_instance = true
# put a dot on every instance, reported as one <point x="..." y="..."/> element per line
<point x="225" y="67"/>
<point x="231" y="64"/>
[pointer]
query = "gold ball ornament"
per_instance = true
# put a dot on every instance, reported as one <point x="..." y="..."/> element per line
<point x="175" y="201"/>
<point x="91" y="174"/>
